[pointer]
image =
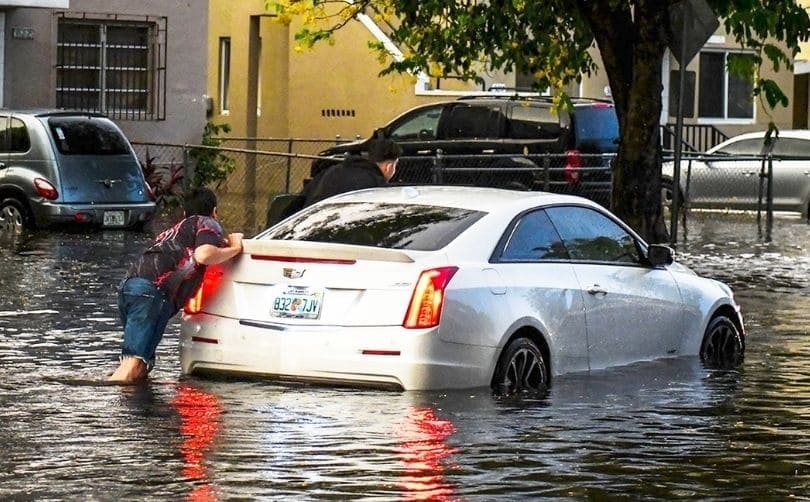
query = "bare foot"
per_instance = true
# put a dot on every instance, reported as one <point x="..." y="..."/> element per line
<point x="130" y="370"/>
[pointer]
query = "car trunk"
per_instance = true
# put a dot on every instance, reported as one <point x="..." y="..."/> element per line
<point x="101" y="179"/>
<point x="333" y="284"/>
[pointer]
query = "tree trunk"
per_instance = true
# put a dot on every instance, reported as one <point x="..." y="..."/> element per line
<point x="632" y="45"/>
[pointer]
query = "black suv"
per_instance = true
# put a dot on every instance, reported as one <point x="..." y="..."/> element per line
<point x="504" y="141"/>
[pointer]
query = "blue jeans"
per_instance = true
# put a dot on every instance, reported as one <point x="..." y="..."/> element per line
<point x="144" y="313"/>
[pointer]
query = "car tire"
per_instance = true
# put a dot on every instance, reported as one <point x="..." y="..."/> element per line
<point x="722" y="345"/>
<point x="15" y="215"/>
<point x="521" y="368"/>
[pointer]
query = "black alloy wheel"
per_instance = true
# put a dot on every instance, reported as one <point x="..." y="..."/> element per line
<point x="722" y="345"/>
<point x="521" y="368"/>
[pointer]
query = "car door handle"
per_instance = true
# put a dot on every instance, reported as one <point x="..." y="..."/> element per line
<point x="489" y="150"/>
<point x="596" y="289"/>
<point x="423" y="152"/>
<point x="750" y="173"/>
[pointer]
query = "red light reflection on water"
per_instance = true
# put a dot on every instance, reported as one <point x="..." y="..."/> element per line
<point x="423" y="450"/>
<point x="199" y="424"/>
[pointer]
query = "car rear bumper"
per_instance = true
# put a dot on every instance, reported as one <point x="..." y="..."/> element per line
<point x="49" y="214"/>
<point x="387" y="357"/>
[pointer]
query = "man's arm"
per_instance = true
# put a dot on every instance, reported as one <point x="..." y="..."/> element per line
<point x="208" y="254"/>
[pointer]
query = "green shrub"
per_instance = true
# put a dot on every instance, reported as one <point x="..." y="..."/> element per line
<point x="212" y="167"/>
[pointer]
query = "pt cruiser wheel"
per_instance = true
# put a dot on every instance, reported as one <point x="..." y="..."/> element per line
<point x="522" y="367"/>
<point x="722" y="344"/>
<point x="13" y="215"/>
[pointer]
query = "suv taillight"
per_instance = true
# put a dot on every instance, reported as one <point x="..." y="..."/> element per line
<point x="45" y="189"/>
<point x="573" y="163"/>
<point x="425" y="309"/>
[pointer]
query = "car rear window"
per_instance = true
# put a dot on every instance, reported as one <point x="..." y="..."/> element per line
<point x="597" y="128"/>
<point x="383" y="225"/>
<point x="86" y="136"/>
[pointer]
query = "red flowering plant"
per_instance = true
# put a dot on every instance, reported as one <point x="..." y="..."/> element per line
<point x="166" y="182"/>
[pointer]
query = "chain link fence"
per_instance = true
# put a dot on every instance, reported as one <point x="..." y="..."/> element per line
<point x="761" y="184"/>
<point x="280" y="165"/>
<point x="259" y="175"/>
<point x="243" y="196"/>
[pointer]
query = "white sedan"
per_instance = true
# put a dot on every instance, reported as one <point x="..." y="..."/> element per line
<point x="452" y="287"/>
<point x="727" y="176"/>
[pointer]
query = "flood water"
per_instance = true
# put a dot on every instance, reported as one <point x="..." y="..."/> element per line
<point x="665" y="429"/>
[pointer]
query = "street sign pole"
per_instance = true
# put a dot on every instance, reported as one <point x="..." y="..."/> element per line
<point x="691" y="23"/>
<point x="676" y="172"/>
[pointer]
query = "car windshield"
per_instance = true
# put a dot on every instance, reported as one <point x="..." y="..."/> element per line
<point x="86" y="136"/>
<point x="597" y="128"/>
<point x="383" y="225"/>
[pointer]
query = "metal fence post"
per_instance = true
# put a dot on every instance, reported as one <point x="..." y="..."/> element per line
<point x="762" y="179"/>
<point x="187" y="174"/>
<point x="289" y="166"/>
<point x="437" y="175"/>
<point x="769" y="200"/>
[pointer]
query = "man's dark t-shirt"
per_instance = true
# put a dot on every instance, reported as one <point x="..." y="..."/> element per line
<point x="169" y="262"/>
<point x="354" y="173"/>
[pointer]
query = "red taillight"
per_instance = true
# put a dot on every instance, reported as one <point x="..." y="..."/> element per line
<point x="573" y="162"/>
<point x="211" y="279"/>
<point x="425" y="309"/>
<point x="45" y="189"/>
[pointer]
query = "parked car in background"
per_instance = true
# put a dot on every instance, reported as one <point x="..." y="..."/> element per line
<point x="436" y="287"/>
<point x="501" y="141"/>
<point x="727" y="176"/>
<point x="60" y="167"/>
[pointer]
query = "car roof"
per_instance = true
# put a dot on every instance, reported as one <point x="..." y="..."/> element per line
<point x="464" y="197"/>
<point x="783" y="133"/>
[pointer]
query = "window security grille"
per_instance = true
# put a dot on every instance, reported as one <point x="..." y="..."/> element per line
<point x="115" y="66"/>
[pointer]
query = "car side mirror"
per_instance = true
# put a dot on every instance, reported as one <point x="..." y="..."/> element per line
<point x="659" y="254"/>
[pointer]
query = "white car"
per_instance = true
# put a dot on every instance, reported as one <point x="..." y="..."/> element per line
<point x="439" y="287"/>
<point x="727" y="176"/>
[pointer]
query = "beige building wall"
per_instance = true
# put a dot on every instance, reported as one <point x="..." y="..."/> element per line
<point x="232" y="20"/>
<point x="329" y="91"/>
<point x="719" y="42"/>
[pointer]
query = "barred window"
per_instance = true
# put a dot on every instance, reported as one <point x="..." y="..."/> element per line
<point x="114" y="66"/>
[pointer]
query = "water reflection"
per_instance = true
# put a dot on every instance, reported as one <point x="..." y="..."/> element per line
<point x="199" y="425"/>
<point x="423" y="450"/>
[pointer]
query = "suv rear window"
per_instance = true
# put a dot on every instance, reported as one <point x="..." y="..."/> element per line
<point x="597" y="129"/>
<point x="86" y="136"/>
<point x="382" y="225"/>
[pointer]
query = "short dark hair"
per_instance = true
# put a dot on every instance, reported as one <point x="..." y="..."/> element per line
<point x="380" y="150"/>
<point x="201" y="201"/>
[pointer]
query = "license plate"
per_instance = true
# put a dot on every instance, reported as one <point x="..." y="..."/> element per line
<point x="113" y="218"/>
<point x="299" y="302"/>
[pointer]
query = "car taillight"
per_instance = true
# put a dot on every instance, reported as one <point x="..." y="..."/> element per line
<point x="210" y="283"/>
<point x="45" y="189"/>
<point x="425" y="308"/>
<point x="573" y="162"/>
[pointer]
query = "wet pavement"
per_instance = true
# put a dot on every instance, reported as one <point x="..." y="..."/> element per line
<point x="665" y="429"/>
